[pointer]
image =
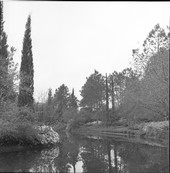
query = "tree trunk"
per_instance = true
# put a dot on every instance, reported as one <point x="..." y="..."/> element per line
<point x="113" y="104"/>
<point x="74" y="167"/>
<point x="107" y="102"/>
<point x="109" y="157"/>
<point x="115" y="158"/>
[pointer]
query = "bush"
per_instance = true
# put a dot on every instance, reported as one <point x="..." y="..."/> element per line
<point x="69" y="114"/>
<point x="158" y="130"/>
<point x="59" y="126"/>
<point x="17" y="126"/>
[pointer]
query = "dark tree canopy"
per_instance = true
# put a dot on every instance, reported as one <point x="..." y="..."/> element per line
<point x="93" y="91"/>
<point x="50" y="97"/>
<point x="60" y="100"/>
<point x="4" y="61"/>
<point x="72" y="101"/>
<point x="1" y="17"/>
<point x="26" y="86"/>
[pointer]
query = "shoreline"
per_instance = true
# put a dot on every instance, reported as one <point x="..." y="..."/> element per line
<point x="144" y="132"/>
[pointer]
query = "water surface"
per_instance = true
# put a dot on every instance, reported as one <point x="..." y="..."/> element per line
<point x="80" y="154"/>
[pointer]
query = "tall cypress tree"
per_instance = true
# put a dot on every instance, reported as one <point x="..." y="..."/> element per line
<point x="3" y="39"/>
<point x="1" y="17"/>
<point x="26" y="86"/>
<point x="3" y="58"/>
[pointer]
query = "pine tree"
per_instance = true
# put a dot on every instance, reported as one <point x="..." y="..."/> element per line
<point x="73" y="101"/>
<point x="93" y="91"/>
<point x="26" y="86"/>
<point x="50" y="97"/>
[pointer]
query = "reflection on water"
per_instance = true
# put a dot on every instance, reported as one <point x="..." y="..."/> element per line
<point x="77" y="154"/>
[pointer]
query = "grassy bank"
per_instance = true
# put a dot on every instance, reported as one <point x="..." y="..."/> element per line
<point x="157" y="131"/>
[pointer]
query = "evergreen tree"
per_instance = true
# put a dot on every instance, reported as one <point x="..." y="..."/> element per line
<point x="4" y="89"/>
<point x="60" y="100"/>
<point x="1" y="17"/>
<point x="93" y="91"/>
<point x="50" y="98"/>
<point x="73" y="101"/>
<point x="26" y="86"/>
<point x="157" y="38"/>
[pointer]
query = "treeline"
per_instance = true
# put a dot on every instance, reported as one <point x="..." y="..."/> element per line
<point x="139" y="93"/>
<point x="58" y="107"/>
<point x="136" y="94"/>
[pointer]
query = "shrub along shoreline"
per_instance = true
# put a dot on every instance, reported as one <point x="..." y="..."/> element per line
<point x="157" y="131"/>
<point x="20" y="128"/>
<point x="39" y="135"/>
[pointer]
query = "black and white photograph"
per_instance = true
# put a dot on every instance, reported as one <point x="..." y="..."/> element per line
<point x="84" y="86"/>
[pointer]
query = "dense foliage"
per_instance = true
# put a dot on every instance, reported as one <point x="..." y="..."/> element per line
<point x="7" y="66"/>
<point x="26" y="86"/>
<point x="135" y="94"/>
<point x="140" y="93"/>
<point x="93" y="91"/>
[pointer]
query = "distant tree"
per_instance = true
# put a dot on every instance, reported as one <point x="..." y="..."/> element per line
<point x="156" y="39"/>
<point x="129" y="108"/>
<point x="50" y="97"/>
<point x="111" y="89"/>
<point x="119" y="86"/>
<point x="155" y="85"/>
<point x="49" y="109"/>
<point x="26" y="86"/>
<point x="61" y="98"/>
<point x="146" y="89"/>
<point x="112" y="92"/>
<point x="72" y="101"/>
<point x="93" y="91"/>
<point x="153" y="64"/>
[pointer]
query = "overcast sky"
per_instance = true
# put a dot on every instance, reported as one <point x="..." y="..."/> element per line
<point x="71" y="39"/>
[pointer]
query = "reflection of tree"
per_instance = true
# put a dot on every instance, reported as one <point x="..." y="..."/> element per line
<point x="115" y="158"/>
<point x="141" y="158"/>
<point x="18" y="160"/>
<point x="94" y="157"/>
<point x="109" y="156"/>
<point x="69" y="151"/>
<point x="73" y="156"/>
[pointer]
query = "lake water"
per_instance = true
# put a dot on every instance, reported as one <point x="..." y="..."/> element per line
<point x="80" y="154"/>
